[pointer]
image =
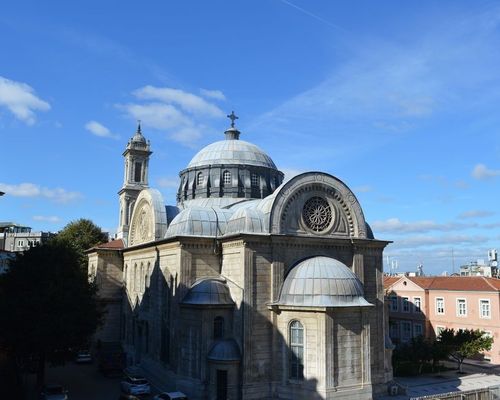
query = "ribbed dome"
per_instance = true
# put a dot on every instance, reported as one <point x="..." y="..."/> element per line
<point x="322" y="282"/>
<point x="232" y="152"/>
<point x="210" y="291"/>
<point x="199" y="221"/>
<point x="224" y="350"/>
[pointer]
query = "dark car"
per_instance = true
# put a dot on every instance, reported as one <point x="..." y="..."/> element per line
<point x="128" y="397"/>
<point x="54" y="392"/>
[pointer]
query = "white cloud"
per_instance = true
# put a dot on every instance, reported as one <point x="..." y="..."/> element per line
<point x="213" y="94"/>
<point x="52" y="219"/>
<point x="482" y="172"/>
<point x="57" y="195"/>
<point x="394" y="225"/>
<point x="424" y="240"/>
<point x="290" y="173"/>
<point x="476" y="214"/>
<point x="100" y="130"/>
<point x="362" y="189"/>
<point x="20" y="99"/>
<point x="157" y="115"/>
<point x="168" y="183"/>
<point x="187" y="136"/>
<point x="187" y="101"/>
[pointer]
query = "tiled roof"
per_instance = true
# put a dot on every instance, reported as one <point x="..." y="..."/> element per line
<point x="116" y="244"/>
<point x="390" y="280"/>
<point x="456" y="283"/>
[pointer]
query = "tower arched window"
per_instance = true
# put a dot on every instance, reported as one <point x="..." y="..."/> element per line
<point x="296" y="336"/>
<point x="218" y="327"/>
<point x="226" y="178"/>
<point x="199" y="179"/>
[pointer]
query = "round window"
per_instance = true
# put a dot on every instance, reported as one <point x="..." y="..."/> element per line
<point x="317" y="214"/>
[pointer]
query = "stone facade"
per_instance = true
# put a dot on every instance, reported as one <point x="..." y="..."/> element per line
<point x="208" y="301"/>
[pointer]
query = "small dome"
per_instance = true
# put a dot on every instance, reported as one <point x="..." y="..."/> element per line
<point x="232" y="152"/>
<point x="210" y="291"/>
<point x="247" y="220"/>
<point x="198" y="221"/>
<point x="224" y="350"/>
<point x="322" y="282"/>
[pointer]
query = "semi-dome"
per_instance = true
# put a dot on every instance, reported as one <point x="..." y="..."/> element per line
<point x="232" y="152"/>
<point x="209" y="292"/>
<point x="322" y="282"/>
<point x="199" y="221"/>
<point x="225" y="351"/>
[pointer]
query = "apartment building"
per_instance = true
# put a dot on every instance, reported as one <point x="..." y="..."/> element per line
<point x="427" y="305"/>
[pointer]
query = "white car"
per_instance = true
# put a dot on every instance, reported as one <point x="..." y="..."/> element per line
<point x="170" y="396"/>
<point x="135" y="385"/>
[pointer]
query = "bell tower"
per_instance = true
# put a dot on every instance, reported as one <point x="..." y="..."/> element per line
<point x="135" y="179"/>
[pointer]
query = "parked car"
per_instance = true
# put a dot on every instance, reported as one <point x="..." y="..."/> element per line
<point x="54" y="392"/>
<point x="170" y="396"/>
<point x="83" y="357"/>
<point x="128" y="397"/>
<point x="135" y="385"/>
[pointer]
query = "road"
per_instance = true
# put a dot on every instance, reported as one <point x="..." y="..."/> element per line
<point x="83" y="382"/>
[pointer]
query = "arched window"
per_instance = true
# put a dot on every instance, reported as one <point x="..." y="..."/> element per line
<point x="254" y="180"/>
<point x="226" y="177"/>
<point x="296" y="336"/>
<point x="199" y="179"/>
<point x="218" y="328"/>
<point x="125" y="270"/>
<point x="135" y="283"/>
<point x="141" y="277"/>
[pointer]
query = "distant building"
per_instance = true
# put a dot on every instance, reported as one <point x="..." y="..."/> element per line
<point x="481" y="268"/>
<point x="427" y="305"/>
<point x="15" y="237"/>
<point x="5" y="258"/>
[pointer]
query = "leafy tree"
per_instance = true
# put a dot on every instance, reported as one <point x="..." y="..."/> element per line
<point x="47" y="305"/>
<point x="82" y="234"/>
<point x="416" y="354"/>
<point x="464" y="343"/>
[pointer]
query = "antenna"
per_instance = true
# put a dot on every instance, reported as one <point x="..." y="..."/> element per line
<point x="452" y="261"/>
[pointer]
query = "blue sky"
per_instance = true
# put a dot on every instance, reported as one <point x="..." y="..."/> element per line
<point x="400" y="100"/>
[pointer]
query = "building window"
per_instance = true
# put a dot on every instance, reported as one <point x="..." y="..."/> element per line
<point x="417" y="330"/>
<point x="221" y="384"/>
<point x="255" y="180"/>
<point x="461" y="308"/>
<point x="484" y="307"/>
<point x="296" y="350"/>
<point x="393" y="303"/>
<point x="226" y="178"/>
<point x="439" y="305"/>
<point x="406" y="304"/>
<point x="394" y="330"/>
<point x="417" y="304"/>
<point x="199" y="179"/>
<point x="218" y="328"/>
<point x="406" y="325"/>
<point x="137" y="172"/>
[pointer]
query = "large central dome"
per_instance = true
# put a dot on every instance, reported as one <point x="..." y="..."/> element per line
<point x="230" y="169"/>
<point x="232" y="152"/>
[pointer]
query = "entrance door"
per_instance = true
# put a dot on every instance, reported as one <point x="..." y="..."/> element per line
<point x="221" y="384"/>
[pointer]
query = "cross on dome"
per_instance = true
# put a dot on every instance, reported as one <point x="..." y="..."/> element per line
<point x="232" y="117"/>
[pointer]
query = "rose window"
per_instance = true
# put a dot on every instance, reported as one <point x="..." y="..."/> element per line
<point x="317" y="214"/>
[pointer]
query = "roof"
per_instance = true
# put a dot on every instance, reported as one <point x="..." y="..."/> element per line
<point x="224" y="350"/>
<point x="322" y="282"/>
<point x="116" y="244"/>
<point x="230" y="152"/>
<point x="209" y="292"/>
<point x="455" y="283"/>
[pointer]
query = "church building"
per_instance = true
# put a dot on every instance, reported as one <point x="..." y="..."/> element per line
<point x="250" y="286"/>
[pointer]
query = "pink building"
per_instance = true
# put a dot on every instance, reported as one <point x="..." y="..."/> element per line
<point x="427" y="305"/>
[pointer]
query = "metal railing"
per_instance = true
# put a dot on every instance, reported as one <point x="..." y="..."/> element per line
<point x="489" y="393"/>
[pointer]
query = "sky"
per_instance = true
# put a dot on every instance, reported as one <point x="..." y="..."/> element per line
<point x="399" y="100"/>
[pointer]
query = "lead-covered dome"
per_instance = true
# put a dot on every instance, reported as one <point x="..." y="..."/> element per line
<point x="232" y="152"/>
<point x="322" y="282"/>
<point x="230" y="168"/>
<point x="209" y="292"/>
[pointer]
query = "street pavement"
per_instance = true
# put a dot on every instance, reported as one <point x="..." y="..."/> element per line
<point x="475" y="376"/>
<point x="83" y="382"/>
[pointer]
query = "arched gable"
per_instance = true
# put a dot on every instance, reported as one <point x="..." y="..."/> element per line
<point x="149" y="218"/>
<point x="317" y="204"/>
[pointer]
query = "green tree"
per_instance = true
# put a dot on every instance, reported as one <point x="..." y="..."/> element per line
<point x="47" y="305"/>
<point x="412" y="356"/>
<point x="464" y="343"/>
<point x="82" y="234"/>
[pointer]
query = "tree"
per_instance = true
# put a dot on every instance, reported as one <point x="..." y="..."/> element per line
<point x="82" y="234"/>
<point x="47" y="305"/>
<point x="464" y="343"/>
<point x="414" y="354"/>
